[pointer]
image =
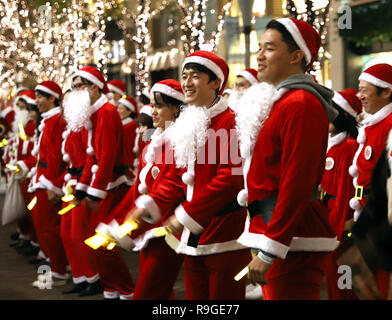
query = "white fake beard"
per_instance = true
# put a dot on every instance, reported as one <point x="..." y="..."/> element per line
<point x="253" y="109"/>
<point x="189" y="134"/>
<point x="21" y="116"/>
<point x="235" y="97"/>
<point x="77" y="109"/>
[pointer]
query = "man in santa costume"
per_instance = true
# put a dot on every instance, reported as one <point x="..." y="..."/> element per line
<point x="244" y="80"/>
<point x="102" y="183"/>
<point x="287" y="226"/>
<point x="117" y="89"/>
<point x="200" y="187"/>
<point x="127" y="110"/>
<point x="336" y="186"/>
<point x="47" y="180"/>
<point x="375" y="93"/>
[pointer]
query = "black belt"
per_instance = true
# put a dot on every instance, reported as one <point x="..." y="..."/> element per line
<point x="76" y="171"/>
<point x="42" y="164"/>
<point x="264" y="207"/>
<point x="193" y="239"/>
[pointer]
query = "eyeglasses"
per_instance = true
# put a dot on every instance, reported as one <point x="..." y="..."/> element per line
<point x="79" y="85"/>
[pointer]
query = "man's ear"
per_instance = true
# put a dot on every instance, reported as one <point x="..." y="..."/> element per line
<point x="386" y="93"/>
<point x="217" y="83"/>
<point x="297" y="56"/>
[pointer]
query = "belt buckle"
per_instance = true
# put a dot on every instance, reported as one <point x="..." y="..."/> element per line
<point x="359" y="192"/>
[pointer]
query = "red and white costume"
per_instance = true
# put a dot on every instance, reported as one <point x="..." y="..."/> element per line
<point x="75" y="224"/>
<point x="104" y="180"/>
<point x="201" y="196"/>
<point x="49" y="175"/>
<point x="282" y="174"/>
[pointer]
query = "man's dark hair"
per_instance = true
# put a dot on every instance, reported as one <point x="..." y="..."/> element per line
<point x="48" y="95"/>
<point x="345" y="122"/>
<point x="200" y="68"/>
<point x="379" y="90"/>
<point x="286" y="38"/>
<point x="85" y="81"/>
<point x="144" y="99"/>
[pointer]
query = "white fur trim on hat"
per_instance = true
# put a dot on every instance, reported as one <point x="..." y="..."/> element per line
<point x="115" y="89"/>
<point x="146" y="110"/>
<point x="208" y="64"/>
<point x="374" y="81"/>
<point x="47" y="90"/>
<point x="89" y="77"/>
<point x="167" y="90"/>
<point x="343" y="103"/>
<point x="297" y="36"/>
<point x="248" y="76"/>
<point x="126" y="103"/>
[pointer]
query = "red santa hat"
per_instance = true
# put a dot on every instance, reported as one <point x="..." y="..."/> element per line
<point x="146" y="109"/>
<point x="250" y="75"/>
<point x="94" y="76"/>
<point x="129" y="103"/>
<point x="379" y="75"/>
<point x="169" y="87"/>
<point x="348" y="101"/>
<point x="28" y="96"/>
<point x="305" y="36"/>
<point x="213" y="63"/>
<point x="118" y="86"/>
<point x="51" y="88"/>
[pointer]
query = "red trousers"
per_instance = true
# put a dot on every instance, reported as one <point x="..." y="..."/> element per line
<point x="211" y="277"/>
<point x="25" y="225"/>
<point x="158" y="270"/>
<point x="298" y="277"/>
<point x="112" y="269"/>
<point x="47" y="225"/>
<point x="74" y="230"/>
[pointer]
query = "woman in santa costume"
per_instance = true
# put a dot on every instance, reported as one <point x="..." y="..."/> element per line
<point x="201" y="185"/>
<point x="159" y="264"/>
<point x="336" y="186"/>
<point x="284" y="163"/>
<point x="127" y="110"/>
<point x="102" y="183"/>
<point x="375" y="93"/>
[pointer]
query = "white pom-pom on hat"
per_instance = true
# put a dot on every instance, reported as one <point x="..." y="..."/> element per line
<point x="242" y="198"/>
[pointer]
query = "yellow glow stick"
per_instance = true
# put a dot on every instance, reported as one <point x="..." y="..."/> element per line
<point x="32" y="203"/>
<point x="111" y="245"/>
<point x="68" y="198"/>
<point x="241" y="274"/>
<point x="66" y="209"/>
<point x="4" y="141"/>
<point x="160" y="232"/>
<point x="22" y="133"/>
<point x="96" y="241"/>
<point x="349" y="234"/>
<point x="126" y="228"/>
<point x="11" y="167"/>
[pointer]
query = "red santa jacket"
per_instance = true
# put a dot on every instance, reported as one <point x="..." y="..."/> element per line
<point x="74" y="154"/>
<point x="337" y="182"/>
<point x="212" y="220"/>
<point x="371" y="138"/>
<point x="105" y="163"/>
<point x="129" y="127"/>
<point x="152" y="166"/>
<point x="287" y="163"/>
<point x="50" y="167"/>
